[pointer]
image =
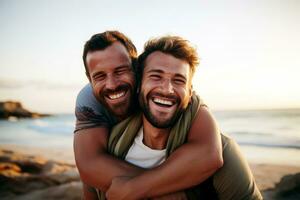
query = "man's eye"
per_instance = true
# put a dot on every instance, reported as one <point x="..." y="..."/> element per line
<point x="120" y="72"/>
<point x="155" y="77"/>
<point x="99" y="77"/>
<point x="179" y="81"/>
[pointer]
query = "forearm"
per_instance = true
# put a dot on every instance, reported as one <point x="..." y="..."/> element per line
<point x="99" y="171"/>
<point x="89" y="193"/>
<point x="95" y="166"/>
<point x="190" y="164"/>
<point x="183" y="169"/>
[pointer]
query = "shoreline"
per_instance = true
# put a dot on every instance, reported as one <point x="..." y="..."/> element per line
<point x="57" y="154"/>
<point x="267" y="175"/>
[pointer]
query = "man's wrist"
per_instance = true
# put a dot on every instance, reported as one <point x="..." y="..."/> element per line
<point x="139" y="187"/>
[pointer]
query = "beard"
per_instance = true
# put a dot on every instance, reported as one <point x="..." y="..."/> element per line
<point x="121" y="109"/>
<point x="156" y="121"/>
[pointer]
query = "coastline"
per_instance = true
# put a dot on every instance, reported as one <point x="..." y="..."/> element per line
<point x="58" y="154"/>
<point x="61" y="160"/>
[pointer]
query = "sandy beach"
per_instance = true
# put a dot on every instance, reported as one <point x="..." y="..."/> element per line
<point x="43" y="173"/>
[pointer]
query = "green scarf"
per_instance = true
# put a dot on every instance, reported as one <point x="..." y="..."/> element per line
<point x="123" y="134"/>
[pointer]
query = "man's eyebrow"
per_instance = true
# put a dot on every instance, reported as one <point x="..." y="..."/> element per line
<point x="161" y="71"/>
<point x="125" y="66"/>
<point x="155" y="71"/>
<point x="122" y="66"/>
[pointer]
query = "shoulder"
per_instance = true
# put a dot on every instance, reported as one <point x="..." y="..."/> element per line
<point x="86" y="101"/>
<point x="203" y="124"/>
<point x="203" y="113"/>
<point x="235" y="171"/>
<point x="86" y="96"/>
<point x="90" y="112"/>
<point x="232" y="154"/>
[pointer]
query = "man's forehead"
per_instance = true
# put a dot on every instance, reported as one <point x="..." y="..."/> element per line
<point x="114" y="52"/>
<point x="117" y="46"/>
<point x="166" y="63"/>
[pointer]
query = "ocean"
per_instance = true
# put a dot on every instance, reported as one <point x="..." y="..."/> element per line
<point x="264" y="135"/>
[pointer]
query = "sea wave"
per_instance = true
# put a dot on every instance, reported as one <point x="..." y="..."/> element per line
<point x="276" y="129"/>
<point x="290" y="146"/>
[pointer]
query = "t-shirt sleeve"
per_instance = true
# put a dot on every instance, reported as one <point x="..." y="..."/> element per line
<point x="90" y="112"/>
<point x="234" y="180"/>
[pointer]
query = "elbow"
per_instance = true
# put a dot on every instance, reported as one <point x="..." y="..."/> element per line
<point x="212" y="162"/>
<point x="216" y="161"/>
<point x="82" y="166"/>
<point x="87" y="173"/>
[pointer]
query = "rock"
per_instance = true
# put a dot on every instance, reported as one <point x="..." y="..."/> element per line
<point x="288" y="188"/>
<point x="70" y="191"/>
<point x="52" y="167"/>
<point x="64" y="177"/>
<point x="10" y="109"/>
<point x="9" y="169"/>
<point x="34" y="177"/>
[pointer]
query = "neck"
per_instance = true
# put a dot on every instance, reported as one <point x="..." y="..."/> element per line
<point x="155" y="138"/>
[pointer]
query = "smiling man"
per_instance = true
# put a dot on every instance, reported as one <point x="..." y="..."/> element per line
<point x="164" y="98"/>
<point x="109" y="60"/>
<point x="112" y="86"/>
<point x="166" y="89"/>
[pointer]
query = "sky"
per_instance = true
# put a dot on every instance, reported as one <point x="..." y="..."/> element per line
<point x="249" y="50"/>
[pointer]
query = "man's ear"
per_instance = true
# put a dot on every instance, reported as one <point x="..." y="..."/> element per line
<point x="191" y="92"/>
<point x="88" y="76"/>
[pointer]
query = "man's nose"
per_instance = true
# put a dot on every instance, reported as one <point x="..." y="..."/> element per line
<point x="167" y="87"/>
<point x="111" y="83"/>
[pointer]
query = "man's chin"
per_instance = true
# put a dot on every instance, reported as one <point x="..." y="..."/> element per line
<point x="160" y="123"/>
<point x="120" y="111"/>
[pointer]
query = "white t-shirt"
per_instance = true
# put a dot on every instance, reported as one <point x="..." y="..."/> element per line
<point x="143" y="156"/>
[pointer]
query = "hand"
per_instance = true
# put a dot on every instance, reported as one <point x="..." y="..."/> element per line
<point x="119" y="189"/>
<point x="172" y="196"/>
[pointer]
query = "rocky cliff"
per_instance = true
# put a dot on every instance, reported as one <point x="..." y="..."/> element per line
<point x="15" y="109"/>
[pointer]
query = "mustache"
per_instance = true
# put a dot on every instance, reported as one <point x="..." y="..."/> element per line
<point x="118" y="89"/>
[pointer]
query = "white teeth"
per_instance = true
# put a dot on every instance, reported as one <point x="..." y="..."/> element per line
<point x="116" y="96"/>
<point x="161" y="101"/>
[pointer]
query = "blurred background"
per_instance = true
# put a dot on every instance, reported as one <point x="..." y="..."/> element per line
<point x="249" y="49"/>
<point x="249" y="54"/>
<point x="248" y="76"/>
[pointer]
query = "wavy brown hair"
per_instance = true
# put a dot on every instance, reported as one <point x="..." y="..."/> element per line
<point x="173" y="45"/>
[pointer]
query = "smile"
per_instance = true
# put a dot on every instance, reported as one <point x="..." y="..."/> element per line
<point x="163" y="102"/>
<point x="116" y="95"/>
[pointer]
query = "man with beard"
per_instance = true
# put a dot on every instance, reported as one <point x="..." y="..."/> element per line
<point x="109" y="60"/>
<point x="144" y="140"/>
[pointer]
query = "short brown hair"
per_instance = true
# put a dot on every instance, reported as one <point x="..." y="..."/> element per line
<point x="101" y="41"/>
<point x="173" y="45"/>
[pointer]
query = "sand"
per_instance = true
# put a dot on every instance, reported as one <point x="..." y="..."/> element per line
<point x="267" y="175"/>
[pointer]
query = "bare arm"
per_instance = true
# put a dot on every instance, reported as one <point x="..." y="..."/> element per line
<point x="96" y="167"/>
<point x="189" y="165"/>
<point x="89" y="193"/>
